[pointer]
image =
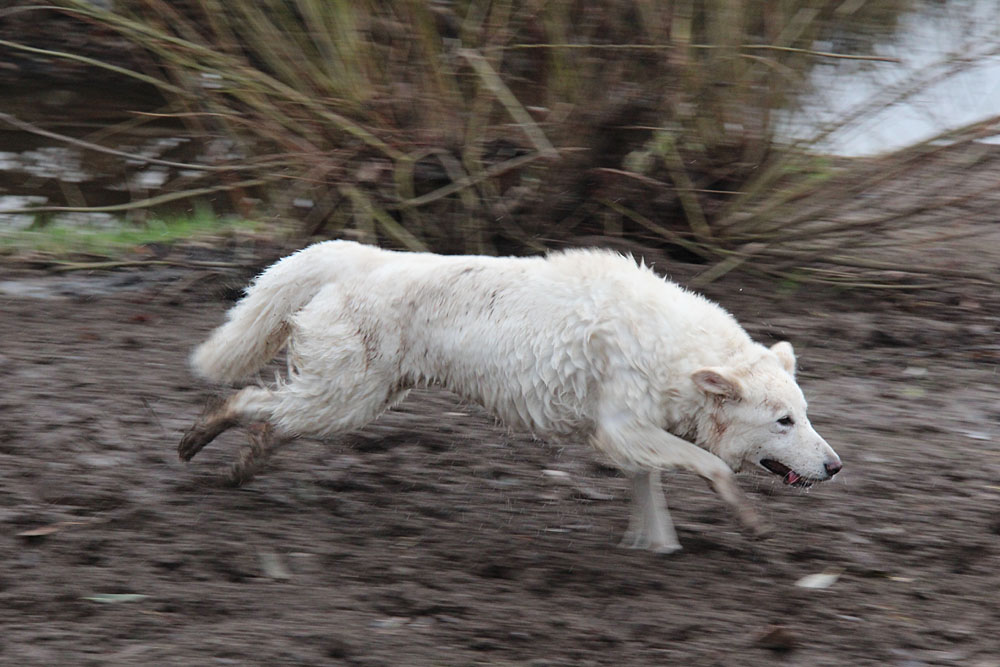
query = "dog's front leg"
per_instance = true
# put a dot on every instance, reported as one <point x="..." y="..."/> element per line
<point x="638" y="446"/>
<point x="650" y="526"/>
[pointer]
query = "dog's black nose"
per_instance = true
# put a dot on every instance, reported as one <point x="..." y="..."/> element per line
<point x="833" y="467"/>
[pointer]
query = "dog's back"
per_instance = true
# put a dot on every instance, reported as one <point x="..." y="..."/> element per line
<point x="536" y="341"/>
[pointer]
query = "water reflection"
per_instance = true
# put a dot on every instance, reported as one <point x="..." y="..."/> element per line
<point x="948" y="77"/>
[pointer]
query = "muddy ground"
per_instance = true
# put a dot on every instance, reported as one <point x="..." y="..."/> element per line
<point x="435" y="537"/>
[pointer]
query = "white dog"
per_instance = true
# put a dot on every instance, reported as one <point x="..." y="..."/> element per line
<point x="582" y="343"/>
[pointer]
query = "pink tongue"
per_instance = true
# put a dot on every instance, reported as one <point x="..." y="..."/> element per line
<point x="791" y="477"/>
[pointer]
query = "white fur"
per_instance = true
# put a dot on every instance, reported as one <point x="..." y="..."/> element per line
<point x="582" y="343"/>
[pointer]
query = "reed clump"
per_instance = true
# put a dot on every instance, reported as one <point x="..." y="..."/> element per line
<point x="513" y="125"/>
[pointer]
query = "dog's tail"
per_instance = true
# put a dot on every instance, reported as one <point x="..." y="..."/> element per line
<point x="257" y="327"/>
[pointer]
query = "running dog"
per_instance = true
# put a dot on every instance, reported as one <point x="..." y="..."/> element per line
<point x="582" y="343"/>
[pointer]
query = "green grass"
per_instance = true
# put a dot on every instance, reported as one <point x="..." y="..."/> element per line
<point x="107" y="240"/>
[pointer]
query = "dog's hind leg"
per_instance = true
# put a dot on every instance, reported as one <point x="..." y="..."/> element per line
<point x="339" y="379"/>
<point x="263" y="442"/>
<point x="310" y="405"/>
<point x="650" y="526"/>
<point x="247" y="405"/>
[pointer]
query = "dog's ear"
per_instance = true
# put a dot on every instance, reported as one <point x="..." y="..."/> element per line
<point x="718" y="382"/>
<point x="786" y="355"/>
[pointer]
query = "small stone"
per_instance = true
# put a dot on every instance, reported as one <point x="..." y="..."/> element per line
<point x="820" y="580"/>
<point x="390" y="622"/>
<point x="272" y="565"/>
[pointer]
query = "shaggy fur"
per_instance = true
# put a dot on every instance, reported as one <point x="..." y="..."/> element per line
<point x="582" y="344"/>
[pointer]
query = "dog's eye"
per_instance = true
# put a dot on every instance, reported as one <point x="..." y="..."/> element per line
<point x="786" y="421"/>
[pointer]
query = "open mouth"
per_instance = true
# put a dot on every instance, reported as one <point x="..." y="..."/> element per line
<point x="788" y="476"/>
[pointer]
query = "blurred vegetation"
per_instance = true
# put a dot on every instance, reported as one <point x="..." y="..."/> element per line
<point x="512" y="125"/>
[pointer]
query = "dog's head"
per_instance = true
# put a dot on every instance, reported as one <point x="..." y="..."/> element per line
<point x="756" y="414"/>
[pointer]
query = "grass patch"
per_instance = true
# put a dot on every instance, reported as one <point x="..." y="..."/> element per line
<point x="114" y="237"/>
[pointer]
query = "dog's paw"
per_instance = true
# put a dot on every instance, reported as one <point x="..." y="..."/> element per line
<point x="759" y="529"/>
<point x="203" y="432"/>
<point x="753" y="523"/>
<point x="636" y="541"/>
<point x="664" y="549"/>
<point x="254" y="456"/>
<point x="193" y="442"/>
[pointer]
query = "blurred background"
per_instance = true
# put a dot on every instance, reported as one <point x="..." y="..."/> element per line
<point x="803" y="138"/>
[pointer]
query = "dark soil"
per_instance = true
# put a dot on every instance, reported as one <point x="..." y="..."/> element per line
<point x="436" y="537"/>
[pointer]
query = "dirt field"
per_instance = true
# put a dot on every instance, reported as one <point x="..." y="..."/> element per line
<point x="435" y="537"/>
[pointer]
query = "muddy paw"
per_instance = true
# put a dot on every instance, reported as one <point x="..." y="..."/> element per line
<point x="754" y="524"/>
<point x="253" y="457"/>
<point x="203" y="432"/>
<point x="193" y="442"/>
<point x="759" y="529"/>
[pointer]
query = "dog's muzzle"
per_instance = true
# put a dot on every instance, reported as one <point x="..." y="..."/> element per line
<point x="792" y="478"/>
